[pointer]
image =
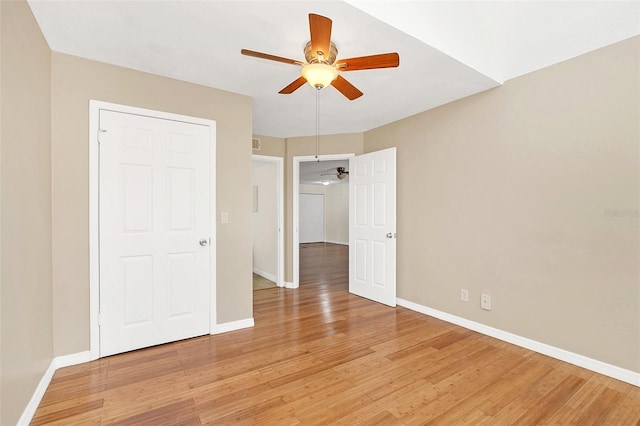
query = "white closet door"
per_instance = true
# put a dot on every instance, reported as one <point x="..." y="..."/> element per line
<point x="155" y="270"/>
<point x="311" y="218"/>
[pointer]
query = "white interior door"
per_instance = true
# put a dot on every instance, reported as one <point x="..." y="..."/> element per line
<point x="311" y="218"/>
<point x="155" y="271"/>
<point x="372" y="226"/>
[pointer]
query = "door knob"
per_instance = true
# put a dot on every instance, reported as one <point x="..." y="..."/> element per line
<point x="389" y="235"/>
<point x="204" y="242"/>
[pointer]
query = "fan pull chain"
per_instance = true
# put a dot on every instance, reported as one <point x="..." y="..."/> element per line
<point x="317" y="123"/>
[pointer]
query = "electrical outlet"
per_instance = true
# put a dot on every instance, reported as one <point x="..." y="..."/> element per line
<point x="485" y="301"/>
<point x="464" y="295"/>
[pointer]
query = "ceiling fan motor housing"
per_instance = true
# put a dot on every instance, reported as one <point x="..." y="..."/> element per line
<point x="312" y="57"/>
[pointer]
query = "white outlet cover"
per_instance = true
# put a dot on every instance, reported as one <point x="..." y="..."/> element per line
<point x="485" y="301"/>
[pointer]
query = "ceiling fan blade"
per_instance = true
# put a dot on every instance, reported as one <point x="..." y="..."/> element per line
<point x="295" y="85"/>
<point x="346" y="88"/>
<point x="384" y="60"/>
<point x="320" y="29"/>
<point x="270" y="57"/>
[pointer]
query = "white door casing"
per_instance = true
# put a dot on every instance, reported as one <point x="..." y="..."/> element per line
<point x="311" y="218"/>
<point x="372" y="226"/>
<point x="155" y="236"/>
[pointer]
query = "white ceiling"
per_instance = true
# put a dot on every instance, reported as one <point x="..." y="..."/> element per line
<point x="448" y="50"/>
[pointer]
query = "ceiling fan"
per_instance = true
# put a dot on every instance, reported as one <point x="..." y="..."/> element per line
<point x="321" y="67"/>
<point x="341" y="173"/>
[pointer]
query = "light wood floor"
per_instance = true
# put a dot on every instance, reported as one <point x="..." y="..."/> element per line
<point x="260" y="283"/>
<point x="319" y="355"/>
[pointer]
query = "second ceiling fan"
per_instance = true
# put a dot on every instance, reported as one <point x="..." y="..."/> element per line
<point x="321" y="67"/>
<point x="341" y="173"/>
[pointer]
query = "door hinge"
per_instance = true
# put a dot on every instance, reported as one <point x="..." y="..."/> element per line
<point x="99" y="319"/>
<point x="100" y="132"/>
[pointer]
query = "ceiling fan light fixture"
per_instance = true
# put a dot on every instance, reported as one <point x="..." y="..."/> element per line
<point x="319" y="75"/>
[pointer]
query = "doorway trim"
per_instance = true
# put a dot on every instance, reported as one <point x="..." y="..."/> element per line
<point x="295" y="238"/>
<point x="279" y="162"/>
<point x="94" y="196"/>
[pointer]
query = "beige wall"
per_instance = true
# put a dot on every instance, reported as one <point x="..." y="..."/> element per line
<point x="25" y="175"/>
<point x="511" y="192"/>
<point x="304" y="146"/>
<point x="2" y="384"/>
<point x="74" y="82"/>
<point x="336" y="210"/>
<point x="265" y="220"/>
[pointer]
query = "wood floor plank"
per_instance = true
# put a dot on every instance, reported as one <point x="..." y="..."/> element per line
<point x="471" y="388"/>
<point x="164" y="415"/>
<point x="318" y="355"/>
<point x="77" y="407"/>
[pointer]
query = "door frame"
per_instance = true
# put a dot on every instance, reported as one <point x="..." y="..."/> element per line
<point x="279" y="163"/>
<point x="295" y="237"/>
<point x="94" y="196"/>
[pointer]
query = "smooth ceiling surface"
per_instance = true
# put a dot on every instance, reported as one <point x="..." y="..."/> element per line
<point x="506" y="39"/>
<point x="200" y="42"/>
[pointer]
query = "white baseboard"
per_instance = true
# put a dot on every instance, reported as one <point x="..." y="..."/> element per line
<point x="265" y="275"/>
<point x="233" y="326"/>
<point x="288" y="284"/>
<point x="32" y="406"/>
<point x="600" y="367"/>
<point x="342" y="243"/>
<point x="72" y="359"/>
<point x="57" y="362"/>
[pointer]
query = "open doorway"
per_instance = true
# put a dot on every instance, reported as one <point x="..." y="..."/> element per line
<point x="268" y="218"/>
<point x="311" y="176"/>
